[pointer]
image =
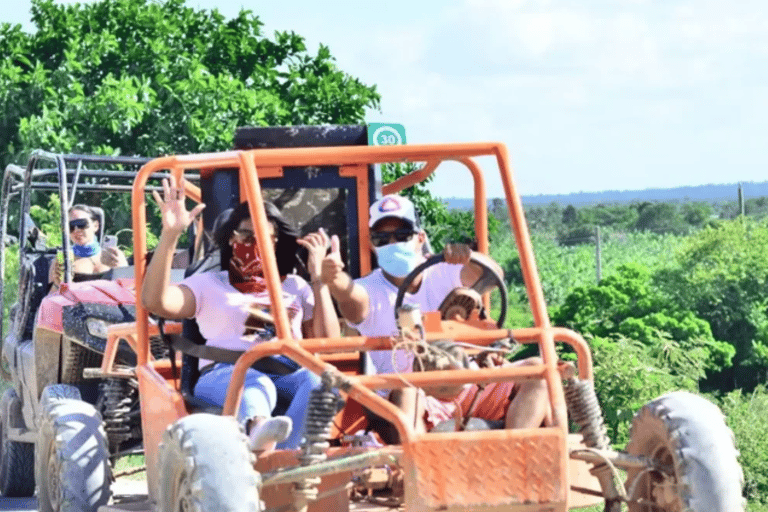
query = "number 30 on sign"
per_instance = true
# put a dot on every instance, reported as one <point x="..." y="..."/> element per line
<point x="385" y="134"/>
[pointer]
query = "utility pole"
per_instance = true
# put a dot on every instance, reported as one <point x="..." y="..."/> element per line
<point x="598" y="259"/>
<point x="741" y="200"/>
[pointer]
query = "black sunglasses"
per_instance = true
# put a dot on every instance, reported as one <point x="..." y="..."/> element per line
<point x="379" y="238"/>
<point x="78" y="224"/>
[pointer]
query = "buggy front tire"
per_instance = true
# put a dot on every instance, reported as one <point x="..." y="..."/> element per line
<point x="206" y="465"/>
<point x="72" y="467"/>
<point x="687" y="434"/>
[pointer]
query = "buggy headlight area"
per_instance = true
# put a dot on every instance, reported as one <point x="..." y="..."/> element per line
<point x="87" y="324"/>
<point x="96" y="327"/>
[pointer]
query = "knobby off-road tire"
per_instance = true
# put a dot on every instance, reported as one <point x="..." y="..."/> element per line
<point x="206" y="465"/>
<point x="58" y="392"/>
<point x="687" y="433"/>
<point x="17" y="460"/>
<point x="72" y="467"/>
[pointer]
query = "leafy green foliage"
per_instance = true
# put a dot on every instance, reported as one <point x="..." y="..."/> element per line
<point x="574" y="226"/>
<point x="628" y="374"/>
<point x="721" y="275"/>
<point x="563" y="268"/>
<point x="10" y="283"/>
<point x="48" y="220"/>
<point x="747" y="415"/>
<point x="627" y="303"/>
<point x="150" y="78"/>
<point x="660" y="218"/>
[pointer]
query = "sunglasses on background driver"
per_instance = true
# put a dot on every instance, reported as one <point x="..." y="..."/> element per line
<point x="379" y="238"/>
<point x="78" y="224"/>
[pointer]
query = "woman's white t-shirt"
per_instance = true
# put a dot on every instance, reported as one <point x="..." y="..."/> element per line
<point x="221" y="309"/>
<point x="437" y="282"/>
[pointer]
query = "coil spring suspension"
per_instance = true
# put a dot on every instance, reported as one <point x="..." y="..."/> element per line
<point x="117" y="399"/>
<point x="585" y="411"/>
<point x="320" y="412"/>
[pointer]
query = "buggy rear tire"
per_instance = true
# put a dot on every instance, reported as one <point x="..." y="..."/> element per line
<point x="206" y="465"/>
<point x="688" y="434"/>
<point x="72" y="469"/>
<point x="17" y="459"/>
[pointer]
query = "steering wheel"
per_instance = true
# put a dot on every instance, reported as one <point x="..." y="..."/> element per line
<point x="489" y="277"/>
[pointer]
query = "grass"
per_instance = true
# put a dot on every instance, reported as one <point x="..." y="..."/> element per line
<point x="130" y="462"/>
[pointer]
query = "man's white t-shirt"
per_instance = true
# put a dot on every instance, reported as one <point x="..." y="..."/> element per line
<point x="437" y="282"/>
<point x="221" y="309"/>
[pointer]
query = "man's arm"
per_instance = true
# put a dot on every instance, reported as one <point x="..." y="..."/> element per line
<point x="352" y="299"/>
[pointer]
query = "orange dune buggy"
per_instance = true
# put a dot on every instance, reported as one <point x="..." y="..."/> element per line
<point x="681" y="455"/>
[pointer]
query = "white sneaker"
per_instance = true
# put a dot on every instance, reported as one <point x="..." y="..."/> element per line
<point x="267" y="432"/>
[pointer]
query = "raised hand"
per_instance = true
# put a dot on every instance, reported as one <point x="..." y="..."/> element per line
<point x="174" y="213"/>
<point x="332" y="265"/>
<point x="317" y="247"/>
<point x="457" y="253"/>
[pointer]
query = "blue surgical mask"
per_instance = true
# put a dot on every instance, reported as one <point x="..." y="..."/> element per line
<point x="398" y="259"/>
<point x="86" y="251"/>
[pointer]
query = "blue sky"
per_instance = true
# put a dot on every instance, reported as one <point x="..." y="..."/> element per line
<point x="588" y="95"/>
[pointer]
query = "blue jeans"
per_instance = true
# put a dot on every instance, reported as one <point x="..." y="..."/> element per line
<point x="260" y="395"/>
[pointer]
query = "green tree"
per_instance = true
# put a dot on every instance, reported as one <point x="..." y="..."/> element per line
<point x="156" y="77"/>
<point x="721" y="275"/>
<point x="628" y="303"/>
<point x="660" y="218"/>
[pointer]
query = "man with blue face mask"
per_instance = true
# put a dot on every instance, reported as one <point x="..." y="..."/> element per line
<point x="367" y="304"/>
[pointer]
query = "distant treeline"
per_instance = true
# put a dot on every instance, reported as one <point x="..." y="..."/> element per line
<point x="574" y="224"/>
<point x="704" y="193"/>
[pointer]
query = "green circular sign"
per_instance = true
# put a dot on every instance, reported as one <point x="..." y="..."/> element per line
<point x="386" y="136"/>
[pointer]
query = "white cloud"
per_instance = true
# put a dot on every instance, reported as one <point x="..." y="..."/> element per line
<point x="588" y="94"/>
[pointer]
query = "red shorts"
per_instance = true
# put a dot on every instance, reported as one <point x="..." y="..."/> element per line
<point x="492" y="404"/>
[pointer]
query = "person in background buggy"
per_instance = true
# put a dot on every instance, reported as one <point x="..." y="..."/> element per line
<point x="90" y="258"/>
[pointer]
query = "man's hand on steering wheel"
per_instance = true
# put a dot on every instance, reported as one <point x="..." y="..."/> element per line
<point x="486" y="276"/>
<point x="458" y="254"/>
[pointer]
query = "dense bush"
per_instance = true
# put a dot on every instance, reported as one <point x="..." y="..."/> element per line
<point x="628" y="374"/>
<point x="721" y="274"/>
<point x="747" y="414"/>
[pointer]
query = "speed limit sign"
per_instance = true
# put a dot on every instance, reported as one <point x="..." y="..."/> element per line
<point x="385" y="134"/>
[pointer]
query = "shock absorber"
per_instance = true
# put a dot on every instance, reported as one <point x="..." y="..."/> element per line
<point x="584" y="410"/>
<point x="321" y="409"/>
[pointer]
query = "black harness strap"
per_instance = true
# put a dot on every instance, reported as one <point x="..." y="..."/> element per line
<point x="270" y="364"/>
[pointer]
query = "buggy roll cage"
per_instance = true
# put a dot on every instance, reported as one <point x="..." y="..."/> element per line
<point x="66" y="174"/>
<point x="254" y="165"/>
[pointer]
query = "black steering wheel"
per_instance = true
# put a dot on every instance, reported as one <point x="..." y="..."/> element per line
<point x="489" y="277"/>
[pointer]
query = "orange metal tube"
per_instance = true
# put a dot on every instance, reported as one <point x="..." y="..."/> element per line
<point x="139" y="219"/>
<point x="554" y="380"/>
<point x="411" y="179"/>
<point x="481" y="210"/>
<point x="524" y="247"/>
<point x="362" y="214"/>
<point x="583" y="354"/>
<point x="291" y="349"/>
<point x="260" y="222"/>
<point x="452" y="377"/>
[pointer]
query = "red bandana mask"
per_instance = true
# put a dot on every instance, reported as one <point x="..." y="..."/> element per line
<point x="245" y="270"/>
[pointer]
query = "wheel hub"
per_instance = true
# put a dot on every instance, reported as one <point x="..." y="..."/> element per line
<point x="665" y="493"/>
